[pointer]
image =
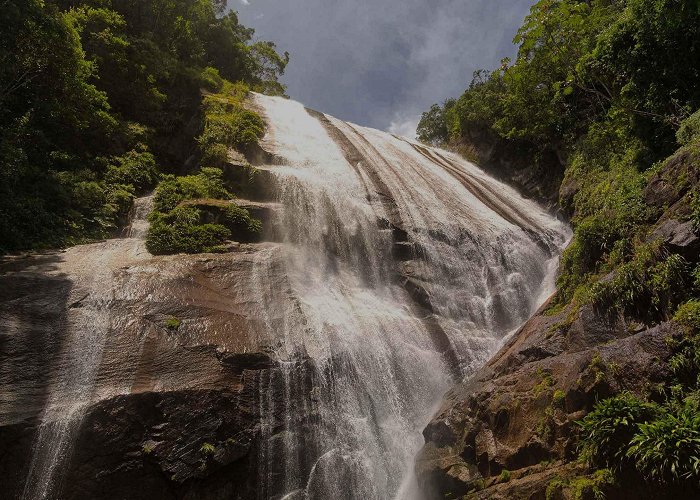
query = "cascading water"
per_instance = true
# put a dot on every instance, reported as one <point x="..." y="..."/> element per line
<point x="89" y="322"/>
<point x="396" y="269"/>
<point x="407" y="267"/>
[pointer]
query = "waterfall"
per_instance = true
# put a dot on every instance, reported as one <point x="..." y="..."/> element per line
<point x="89" y="323"/>
<point x="407" y="267"/>
<point x="394" y="270"/>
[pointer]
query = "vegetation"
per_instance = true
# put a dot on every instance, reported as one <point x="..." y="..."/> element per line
<point x="172" y="323"/>
<point x="187" y="218"/>
<point x="208" y="449"/>
<point x="99" y="96"/>
<point x="504" y="476"/>
<point x="600" y="90"/>
<point x="604" y="95"/>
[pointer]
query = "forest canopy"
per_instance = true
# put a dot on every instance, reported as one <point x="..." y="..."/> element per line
<point x="99" y="96"/>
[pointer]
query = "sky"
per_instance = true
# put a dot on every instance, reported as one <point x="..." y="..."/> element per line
<point x="381" y="63"/>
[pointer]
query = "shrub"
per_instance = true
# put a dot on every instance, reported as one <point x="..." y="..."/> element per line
<point x="606" y="431"/>
<point x="240" y="222"/>
<point x="211" y="80"/>
<point x="180" y="237"/>
<point x="667" y="449"/>
<point x="688" y="315"/>
<point x="208" y="183"/>
<point x="504" y="476"/>
<point x="649" y="286"/>
<point x="227" y="122"/>
<point x="137" y="168"/>
<point x="689" y="129"/>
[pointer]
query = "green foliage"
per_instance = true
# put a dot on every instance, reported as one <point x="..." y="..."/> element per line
<point x="135" y="168"/>
<point x="228" y="124"/>
<point x="546" y="381"/>
<point x="208" y="183"/>
<point x="211" y="80"/>
<point x="97" y="95"/>
<point x="182" y="232"/>
<point x="591" y="486"/>
<point x="432" y="128"/>
<point x="650" y="285"/>
<point x="695" y="214"/>
<point x="181" y="219"/>
<point x="688" y="315"/>
<point x="667" y="449"/>
<point x="606" y="431"/>
<point x="208" y="449"/>
<point x="689" y="129"/>
<point x="504" y="476"/>
<point x="172" y="323"/>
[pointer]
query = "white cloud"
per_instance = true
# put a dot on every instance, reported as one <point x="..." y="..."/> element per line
<point x="245" y="2"/>
<point x="353" y="60"/>
<point x="404" y="126"/>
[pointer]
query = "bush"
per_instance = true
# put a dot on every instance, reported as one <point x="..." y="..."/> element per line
<point x="688" y="315"/>
<point x="240" y="222"/>
<point x="137" y="168"/>
<point x="689" y="129"/>
<point x="211" y="80"/>
<point x="606" y="431"/>
<point x="208" y="183"/>
<point x="180" y="231"/>
<point x="650" y="286"/>
<point x="667" y="449"/>
<point x="227" y="123"/>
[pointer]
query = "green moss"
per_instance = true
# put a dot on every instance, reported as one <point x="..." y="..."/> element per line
<point x="558" y="398"/>
<point x="545" y="426"/>
<point x="546" y="381"/>
<point x="504" y="476"/>
<point x="208" y="449"/>
<point x="172" y="323"/>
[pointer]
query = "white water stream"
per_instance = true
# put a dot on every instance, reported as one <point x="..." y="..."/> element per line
<point x="374" y="343"/>
<point x="91" y="266"/>
<point x="407" y="267"/>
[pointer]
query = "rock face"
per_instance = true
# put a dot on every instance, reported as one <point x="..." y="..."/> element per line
<point x="505" y="162"/>
<point x="175" y="407"/>
<point x="518" y="412"/>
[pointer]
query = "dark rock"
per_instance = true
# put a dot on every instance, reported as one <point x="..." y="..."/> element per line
<point x="505" y="416"/>
<point x="679" y="237"/>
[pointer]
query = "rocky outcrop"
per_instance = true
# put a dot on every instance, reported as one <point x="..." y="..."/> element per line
<point x="509" y="431"/>
<point x="518" y="413"/>
<point x="507" y="161"/>
<point x="174" y="407"/>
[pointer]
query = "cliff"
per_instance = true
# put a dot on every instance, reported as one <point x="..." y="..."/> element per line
<point x="511" y="430"/>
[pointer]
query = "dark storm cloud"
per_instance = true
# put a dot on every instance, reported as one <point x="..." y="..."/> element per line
<point x="381" y="63"/>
